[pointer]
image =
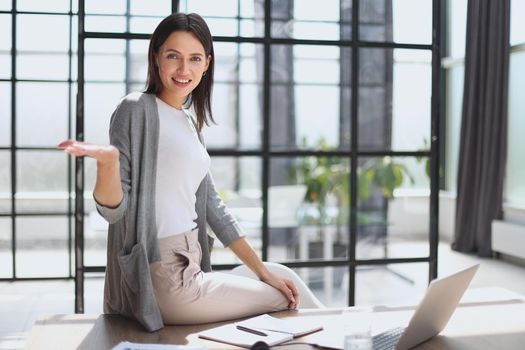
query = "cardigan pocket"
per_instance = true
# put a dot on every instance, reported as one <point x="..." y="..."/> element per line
<point x="138" y="299"/>
<point x="134" y="267"/>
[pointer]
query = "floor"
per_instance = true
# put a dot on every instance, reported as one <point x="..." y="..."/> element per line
<point x="22" y="302"/>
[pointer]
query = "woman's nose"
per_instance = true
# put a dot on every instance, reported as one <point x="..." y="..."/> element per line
<point x="183" y="66"/>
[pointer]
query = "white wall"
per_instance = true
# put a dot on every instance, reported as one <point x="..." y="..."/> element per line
<point x="408" y="214"/>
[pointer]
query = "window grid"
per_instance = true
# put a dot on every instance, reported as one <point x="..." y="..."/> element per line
<point x="13" y="148"/>
<point x="265" y="152"/>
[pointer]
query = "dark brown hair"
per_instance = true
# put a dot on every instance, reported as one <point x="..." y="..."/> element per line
<point x="200" y="97"/>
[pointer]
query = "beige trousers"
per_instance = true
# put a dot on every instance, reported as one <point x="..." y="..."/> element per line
<point x="187" y="295"/>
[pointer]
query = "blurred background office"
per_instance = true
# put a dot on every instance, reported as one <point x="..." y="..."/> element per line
<point x="337" y="146"/>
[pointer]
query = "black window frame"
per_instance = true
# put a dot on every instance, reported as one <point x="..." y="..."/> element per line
<point x="75" y="212"/>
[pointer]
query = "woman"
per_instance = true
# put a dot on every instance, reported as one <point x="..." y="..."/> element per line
<point x="154" y="188"/>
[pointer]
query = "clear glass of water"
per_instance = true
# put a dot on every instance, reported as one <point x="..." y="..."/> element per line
<point x="357" y="323"/>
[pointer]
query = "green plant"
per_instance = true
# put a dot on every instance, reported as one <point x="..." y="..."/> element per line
<point x="322" y="176"/>
<point x="426" y="160"/>
<point x="325" y="176"/>
<point x="385" y="173"/>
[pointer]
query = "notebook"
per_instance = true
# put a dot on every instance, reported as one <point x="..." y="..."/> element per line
<point x="230" y="334"/>
<point x="266" y="328"/>
<point x="295" y="327"/>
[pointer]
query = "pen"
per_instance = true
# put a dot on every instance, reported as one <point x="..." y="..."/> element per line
<point x="249" y="330"/>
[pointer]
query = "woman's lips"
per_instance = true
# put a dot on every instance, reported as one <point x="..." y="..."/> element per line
<point x="182" y="83"/>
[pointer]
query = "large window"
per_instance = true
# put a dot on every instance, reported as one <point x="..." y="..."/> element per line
<point x="285" y="141"/>
<point x="322" y="150"/>
<point x="515" y="172"/>
<point x="37" y="93"/>
<point x="454" y="67"/>
<point x="514" y="194"/>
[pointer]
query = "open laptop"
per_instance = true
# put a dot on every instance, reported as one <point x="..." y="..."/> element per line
<point x="431" y="315"/>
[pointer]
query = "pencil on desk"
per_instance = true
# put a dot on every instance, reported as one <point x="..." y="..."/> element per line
<point x="249" y="330"/>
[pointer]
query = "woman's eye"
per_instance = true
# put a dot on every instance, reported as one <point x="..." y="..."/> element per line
<point x="171" y="56"/>
<point x="196" y="59"/>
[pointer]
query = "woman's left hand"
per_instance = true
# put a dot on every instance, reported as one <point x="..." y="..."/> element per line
<point x="286" y="287"/>
<point x="249" y="257"/>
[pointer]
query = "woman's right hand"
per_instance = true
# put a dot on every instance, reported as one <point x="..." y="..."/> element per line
<point x="108" y="190"/>
<point x="104" y="154"/>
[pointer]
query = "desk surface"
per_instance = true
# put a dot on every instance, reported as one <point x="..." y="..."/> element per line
<point x="497" y="322"/>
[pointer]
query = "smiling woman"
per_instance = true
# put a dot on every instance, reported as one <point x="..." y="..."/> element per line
<point x="180" y="56"/>
<point x="155" y="189"/>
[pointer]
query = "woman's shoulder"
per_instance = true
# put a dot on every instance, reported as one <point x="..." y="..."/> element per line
<point x="136" y="101"/>
<point x="135" y="106"/>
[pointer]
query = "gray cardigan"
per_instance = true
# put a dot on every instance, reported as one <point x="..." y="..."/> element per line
<point x="132" y="237"/>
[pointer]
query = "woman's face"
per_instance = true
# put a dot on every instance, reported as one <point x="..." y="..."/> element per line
<point x="182" y="62"/>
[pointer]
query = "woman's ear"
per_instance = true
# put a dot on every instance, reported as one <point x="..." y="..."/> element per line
<point x="208" y="61"/>
<point x="156" y="60"/>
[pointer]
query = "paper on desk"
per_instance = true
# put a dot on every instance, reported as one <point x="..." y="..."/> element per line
<point x="295" y="327"/>
<point x="125" y="345"/>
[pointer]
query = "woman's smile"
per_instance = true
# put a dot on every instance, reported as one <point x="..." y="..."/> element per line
<point x="182" y="83"/>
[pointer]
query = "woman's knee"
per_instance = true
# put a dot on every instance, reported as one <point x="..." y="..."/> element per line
<point x="307" y="298"/>
<point x="280" y="269"/>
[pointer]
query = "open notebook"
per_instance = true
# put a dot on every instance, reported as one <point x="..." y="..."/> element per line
<point x="264" y="328"/>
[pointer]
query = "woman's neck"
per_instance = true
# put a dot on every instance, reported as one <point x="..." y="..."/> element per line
<point x="171" y="100"/>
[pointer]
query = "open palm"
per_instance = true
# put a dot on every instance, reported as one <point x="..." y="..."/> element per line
<point x="104" y="154"/>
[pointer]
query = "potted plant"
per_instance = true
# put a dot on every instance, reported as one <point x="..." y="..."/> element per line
<point x="328" y="178"/>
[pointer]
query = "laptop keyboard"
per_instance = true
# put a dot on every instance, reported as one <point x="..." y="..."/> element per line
<point x="387" y="340"/>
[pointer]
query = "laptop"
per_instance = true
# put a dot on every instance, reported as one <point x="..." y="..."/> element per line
<point x="431" y="315"/>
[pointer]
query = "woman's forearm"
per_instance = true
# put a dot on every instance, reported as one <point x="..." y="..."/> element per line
<point x="108" y="190"/>
<point x="249" y="257"/>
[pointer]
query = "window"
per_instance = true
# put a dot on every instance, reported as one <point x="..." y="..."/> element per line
<point x="38" y="197"/>
<point x="309" y="115"/>
<point x="515" y="172"/>
<point x="454" y="66"/>
<point x="322" y="150"/>
<point x="517" y="27"/>
<point x="514" y="193"/>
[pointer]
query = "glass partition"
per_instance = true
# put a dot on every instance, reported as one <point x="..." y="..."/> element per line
<point x="5" y="114"/>
<point x="327" y="130"/>
<point x="411" y="21"/>
<point x="44" y="120"/>
<point x="238" y="183"/>
<point x="42" y="247"/>
<point x="308" y="208"/>
<point x="6" y="254"/>
<point x="5" y="46"/>
<point x="393" y="208"/>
